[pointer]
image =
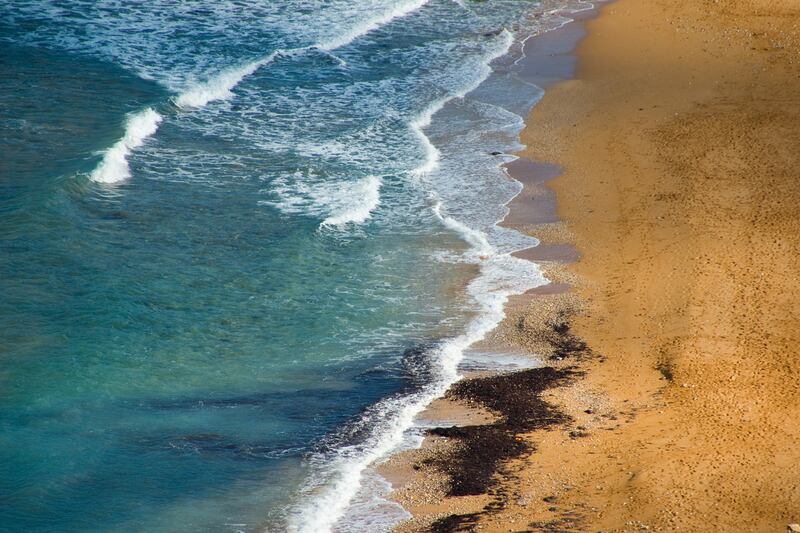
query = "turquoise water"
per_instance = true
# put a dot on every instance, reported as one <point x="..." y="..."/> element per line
<point x="238" y="248"/>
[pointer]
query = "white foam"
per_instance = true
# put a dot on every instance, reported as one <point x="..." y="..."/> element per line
<point x="338" y="203"/>
<point x="362" y="199"/>
<point x="418" y="125"/>
<point x="423" y="120"/>
<point x="477" y="239"/>
<point x="220" y="87"/>
<point x="502" y="275"/>
<point x="371" y="509"/>
<point x="345" y="472"/>
<point x="114" y="166"/>
<point x="397" y="11"/>
<point x="327" y="498"/>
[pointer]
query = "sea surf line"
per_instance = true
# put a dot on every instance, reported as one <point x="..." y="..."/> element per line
<point x="501" y="276"/>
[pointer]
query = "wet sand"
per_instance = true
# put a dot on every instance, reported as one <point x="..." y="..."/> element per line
<point x="678" y="406"/>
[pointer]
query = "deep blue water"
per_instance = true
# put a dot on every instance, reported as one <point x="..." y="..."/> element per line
<point x="227" y="229"/>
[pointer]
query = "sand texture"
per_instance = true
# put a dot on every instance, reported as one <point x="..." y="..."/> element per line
<point x="680" y="144"/>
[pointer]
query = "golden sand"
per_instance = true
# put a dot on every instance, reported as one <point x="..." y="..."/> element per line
<point x="680" y="140"/>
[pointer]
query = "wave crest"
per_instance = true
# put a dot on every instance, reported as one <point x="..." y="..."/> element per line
<point x="220" y="87"/>
<point x="114" y="166"/>
<point x="398" y="11"/>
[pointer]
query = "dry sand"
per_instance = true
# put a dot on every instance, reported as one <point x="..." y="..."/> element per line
<point x="680" y="143"/>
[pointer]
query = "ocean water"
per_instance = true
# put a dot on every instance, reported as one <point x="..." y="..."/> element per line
<point x="242" y="244"/>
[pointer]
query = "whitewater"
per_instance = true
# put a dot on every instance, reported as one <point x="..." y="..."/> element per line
<point x="114" y="166"/>
<point x="501" y="276"/>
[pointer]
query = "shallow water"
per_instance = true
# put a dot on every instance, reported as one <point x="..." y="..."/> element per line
<point x="238" y="249"/>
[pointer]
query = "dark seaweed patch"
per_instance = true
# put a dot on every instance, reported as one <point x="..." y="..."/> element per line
<point x="566" y="344"/>
<point x="455" y="522"/>
<point x="481" y="451"/>
<point x="666" y="371"/>
<point x="516" y="397"/>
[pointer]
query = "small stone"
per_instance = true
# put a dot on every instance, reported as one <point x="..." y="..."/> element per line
<point x="794" y="528"/>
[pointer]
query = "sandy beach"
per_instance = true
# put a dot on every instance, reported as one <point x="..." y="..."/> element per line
<point x="669" y="401"/>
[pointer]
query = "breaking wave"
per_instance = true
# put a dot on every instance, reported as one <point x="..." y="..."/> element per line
<point x="114" y="166"/>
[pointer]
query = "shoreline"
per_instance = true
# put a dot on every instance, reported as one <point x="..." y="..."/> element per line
<point x="474" y="411"/>
<point x="679" y="188"/>
<point x="501" y="275"/>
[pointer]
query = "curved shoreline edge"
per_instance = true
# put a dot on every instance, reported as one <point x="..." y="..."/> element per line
<point x="486" y="406"/>
<point x="681" y="179"/>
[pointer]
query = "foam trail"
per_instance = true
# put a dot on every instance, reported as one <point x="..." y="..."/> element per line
<point x="220" y="86"/>
<point x="418" y="125"/>
<point x="501" y="276"/>
<point x="114" y="166"/>
<point x="330" y="506"/>
<point x="337" y="203"/>
<point x="366" y="198"/>
<point x="397" y="12"/>
<point x="476" y="239"/>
